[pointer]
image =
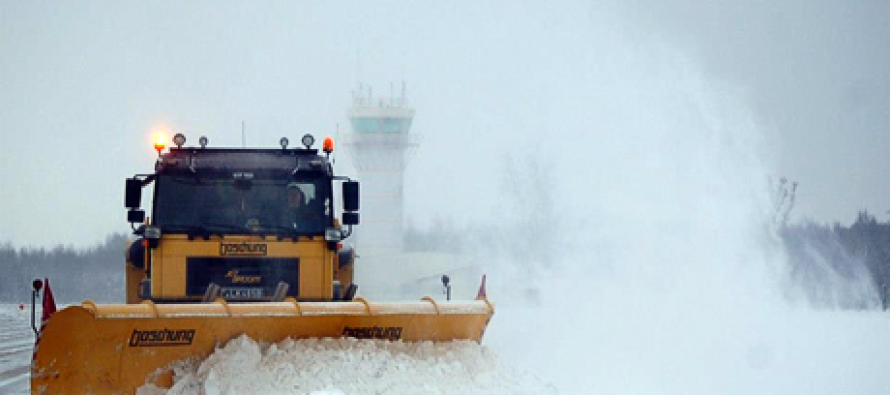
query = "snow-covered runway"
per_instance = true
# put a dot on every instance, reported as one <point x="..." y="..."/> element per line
<point x="326" y="366"/>
<point x="16" y="345"/>
<point x="637" y="351"/>
<point x="349" y="366"/>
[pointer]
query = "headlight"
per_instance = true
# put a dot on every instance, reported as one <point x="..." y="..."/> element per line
<point x="152" y="232"/>
<point x="332" y="234"/>
<point x="179" y="140"/>
<point x="308" y="140"/>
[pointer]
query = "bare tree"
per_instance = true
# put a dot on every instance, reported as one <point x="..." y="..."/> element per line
<point x="783" y="200"/>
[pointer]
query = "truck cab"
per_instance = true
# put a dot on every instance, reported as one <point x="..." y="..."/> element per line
<point x="241" y="224"/>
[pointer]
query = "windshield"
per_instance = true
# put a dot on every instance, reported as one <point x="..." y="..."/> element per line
<point x="240" y="206"/>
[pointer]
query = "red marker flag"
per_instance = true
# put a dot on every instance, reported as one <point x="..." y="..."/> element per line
<point x="49" y="303"/>
<point x="481" y="295"/>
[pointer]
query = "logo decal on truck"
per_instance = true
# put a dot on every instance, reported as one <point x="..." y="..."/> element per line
<point x="237" y="278"/>
<point x="250" y="249"/>
<point x="373" y="332"/>
<point x="161" y="337"/>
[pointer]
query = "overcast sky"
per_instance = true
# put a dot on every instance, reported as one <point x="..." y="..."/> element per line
<point x="817" y="76"/>
<point x="82" y="86"/>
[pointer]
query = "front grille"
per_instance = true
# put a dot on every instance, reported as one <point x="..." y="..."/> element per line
<point x="242" y="277"/>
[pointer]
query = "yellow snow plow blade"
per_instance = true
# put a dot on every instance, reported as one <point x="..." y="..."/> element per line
<point x="118" y="348"/>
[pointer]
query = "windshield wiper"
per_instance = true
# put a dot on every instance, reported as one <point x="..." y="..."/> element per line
<point x="277" y="229"/>
<point x="205" y="229"/>
<point x="225" y="229"/>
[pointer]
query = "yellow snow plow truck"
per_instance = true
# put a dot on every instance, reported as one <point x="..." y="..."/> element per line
<point x="239" y="241"/>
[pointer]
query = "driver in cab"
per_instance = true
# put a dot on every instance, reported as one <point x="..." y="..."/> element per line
<point x="299" y="215"/>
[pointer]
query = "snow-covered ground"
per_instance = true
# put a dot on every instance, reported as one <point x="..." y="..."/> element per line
<point x="16" y="346"/>
<point x="315" y="366"/>
<point x="589" y="347"/>
<point x="349" y="366"/>
<point x="584" y="348"/>
<point x="646" y="347"/>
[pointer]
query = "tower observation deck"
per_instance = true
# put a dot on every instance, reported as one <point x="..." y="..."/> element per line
<point x="380" y="144"/>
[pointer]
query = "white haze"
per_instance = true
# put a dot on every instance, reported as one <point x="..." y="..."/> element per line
<point x="83" y="87"/>
<point x="662" y="274"/>
<point x="665" y="276"/>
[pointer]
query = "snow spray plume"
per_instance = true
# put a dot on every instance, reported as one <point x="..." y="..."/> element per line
<point x="649" y="255"/>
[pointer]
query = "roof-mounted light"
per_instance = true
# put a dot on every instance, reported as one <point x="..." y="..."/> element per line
<point x="203" y="141"/>
<point x="284" y="142"/>
<point x="308" y="140"/>
<point x="159" y="142"/>
<point x="327" y="145"/>
<point x="179" y="140"/>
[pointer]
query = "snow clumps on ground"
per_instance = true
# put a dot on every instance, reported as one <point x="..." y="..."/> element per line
<point x="350" y="366"/>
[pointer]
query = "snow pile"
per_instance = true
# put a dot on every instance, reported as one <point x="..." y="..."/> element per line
<point x="350" y="366"/>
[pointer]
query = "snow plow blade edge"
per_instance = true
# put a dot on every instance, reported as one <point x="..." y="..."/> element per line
<point x="118" y="348"/>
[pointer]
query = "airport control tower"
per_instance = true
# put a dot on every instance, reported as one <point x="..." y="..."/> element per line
<point x="380" y="143"/>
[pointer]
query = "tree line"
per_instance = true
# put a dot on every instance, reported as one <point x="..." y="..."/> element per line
<point x="842" y="266"/>
<point x="833" y="266"/>
<point x="96" y="273"/>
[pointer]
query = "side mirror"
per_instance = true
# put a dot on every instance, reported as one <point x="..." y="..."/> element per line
<point x="133" y="194"/>
<point x="350" y="196"/>
<point x="135" y="216"/>
<point x="350" y="218"/>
